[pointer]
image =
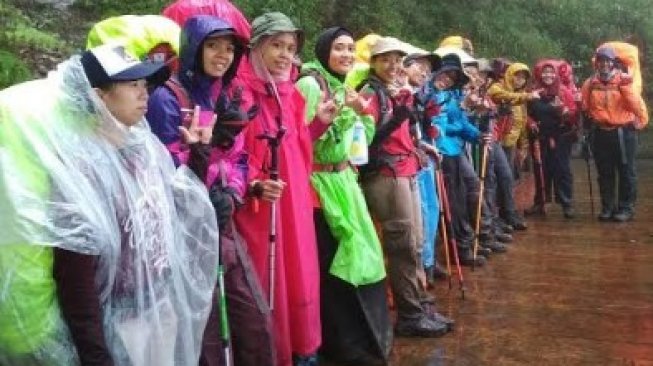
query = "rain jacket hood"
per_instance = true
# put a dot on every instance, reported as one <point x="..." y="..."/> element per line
<point x="504" y="93"/>
<point x="550" y="90"/>
<point x="193" y="35"/>
<point x="335" y="84"/>
<point x="509" y="77"/>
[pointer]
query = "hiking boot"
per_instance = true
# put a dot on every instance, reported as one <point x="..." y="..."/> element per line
<point x="503" y="225"/>
<point x="517" y="223"/>
<point x="439" y="318"/>
<point x="568" y="212"/>
<point x="495" y="246"/>
<point x="535" y="210"/>
<point x="481" y="252"/>
<point x="467" y="258"/>
<point x="422" y="327"/>
<point x="439" y="272"/>
<point x="503" y="237"/>
<point x="623" y="216"/>
<point x="606" y="214"/>
<point x="484" y="252"/>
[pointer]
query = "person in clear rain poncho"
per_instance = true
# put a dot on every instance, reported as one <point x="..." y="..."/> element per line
<point x="108" y="253"/>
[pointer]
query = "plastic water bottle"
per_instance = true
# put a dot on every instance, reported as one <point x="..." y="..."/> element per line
<point x="358" y="154"/>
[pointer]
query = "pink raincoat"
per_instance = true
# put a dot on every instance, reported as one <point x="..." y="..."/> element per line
<point x="296" y="312"/>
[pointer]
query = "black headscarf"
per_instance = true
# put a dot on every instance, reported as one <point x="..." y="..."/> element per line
<point x="323" y="47"/>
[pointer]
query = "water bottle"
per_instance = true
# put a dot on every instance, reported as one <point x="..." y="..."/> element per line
<point x="358" y="154"/>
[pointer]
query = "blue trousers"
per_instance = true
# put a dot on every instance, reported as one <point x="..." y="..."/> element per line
<point x="430" y="212"/>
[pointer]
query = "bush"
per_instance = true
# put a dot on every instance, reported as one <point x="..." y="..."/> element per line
<point x="12" y="70"/>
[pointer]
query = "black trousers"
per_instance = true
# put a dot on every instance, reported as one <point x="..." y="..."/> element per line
<point x="499" y="183"/>
<point x="556" y="176"/>
<point x="614" y="155"/>
<point x="463" y="186"/>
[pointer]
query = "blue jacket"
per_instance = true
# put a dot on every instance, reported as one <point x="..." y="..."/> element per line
<point x="452" y="121"/>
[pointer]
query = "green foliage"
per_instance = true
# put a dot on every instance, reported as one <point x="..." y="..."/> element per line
<point x="523" y="30"/>
<point x="22" y="31"/>
<point x="12" y="70"/>
<point x="25" y="35"/>
<point x="102" y="9"/>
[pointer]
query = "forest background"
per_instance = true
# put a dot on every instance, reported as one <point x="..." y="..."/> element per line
<point x="37" y="34"/>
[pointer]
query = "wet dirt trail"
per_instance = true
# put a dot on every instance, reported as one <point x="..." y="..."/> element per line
<point x="569" y="292"/>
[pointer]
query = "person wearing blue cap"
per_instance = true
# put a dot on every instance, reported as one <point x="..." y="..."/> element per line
<point x="126" y="263"/>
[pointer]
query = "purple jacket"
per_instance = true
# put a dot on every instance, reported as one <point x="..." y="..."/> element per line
<point x="164" y="110"/>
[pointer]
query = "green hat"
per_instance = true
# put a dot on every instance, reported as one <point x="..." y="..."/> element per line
<point x="272" y="23"/>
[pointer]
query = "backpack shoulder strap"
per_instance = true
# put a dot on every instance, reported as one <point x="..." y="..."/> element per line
<point x="180" y="93"/>
<point x="382" y="96"/>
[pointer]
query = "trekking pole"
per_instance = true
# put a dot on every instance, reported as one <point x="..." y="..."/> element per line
<point x="586" y="150"/>
<point x="273" y="143"/>
<point x="587" y="155"/>
<point x="479" y="206"/>
<point x="449" y="224"/>
<point x="537" y="155"/>
<point x="225" y="332"/>
<point x="443" y="225"/>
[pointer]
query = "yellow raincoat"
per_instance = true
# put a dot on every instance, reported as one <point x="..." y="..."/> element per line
<point x="504" y="92"/>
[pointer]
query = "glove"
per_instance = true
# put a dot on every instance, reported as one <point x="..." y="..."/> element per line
<point x="198" y="162"/>
<point x="403" y="96"/>
<point x="231" y="120"/>
<point x="431" y="109"/>
<point x="399" y="114"/>
<point x="224" y="203"/>
<point x="432" y="132"/>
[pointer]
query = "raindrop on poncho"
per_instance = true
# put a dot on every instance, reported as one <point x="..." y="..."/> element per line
<point x="72" y="177"/>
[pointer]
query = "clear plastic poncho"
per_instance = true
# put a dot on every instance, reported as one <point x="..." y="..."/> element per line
<point x="73" y="177"/>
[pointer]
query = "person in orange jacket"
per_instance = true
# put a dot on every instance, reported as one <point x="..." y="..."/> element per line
<point x="615" y="113"/>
